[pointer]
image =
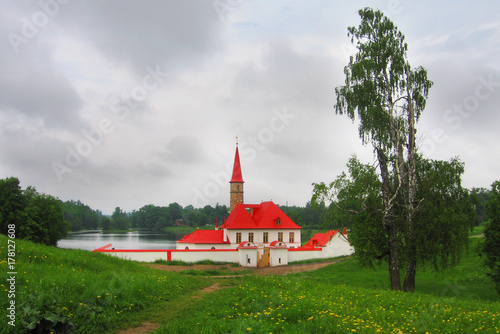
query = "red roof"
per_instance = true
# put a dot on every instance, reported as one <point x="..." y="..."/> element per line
<point x="265" y="215"/>
<point x="204" y="237"/>
<point x="321" y="239"/>
<point x="277" y="244"/>
<point x="237" y="176"/>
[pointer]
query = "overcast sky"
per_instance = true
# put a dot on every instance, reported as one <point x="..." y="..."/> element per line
<point x="128" y="103"/>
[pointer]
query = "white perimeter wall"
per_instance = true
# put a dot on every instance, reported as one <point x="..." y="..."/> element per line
<point x="217" y="256"/>
<point x="139" y="256"/>
<point x="301" y="255"/>
<point x="177" y="255"/>
<point x="338" y="246"/>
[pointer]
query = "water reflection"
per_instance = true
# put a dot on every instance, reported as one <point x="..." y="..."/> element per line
<point x="129" y="240"/>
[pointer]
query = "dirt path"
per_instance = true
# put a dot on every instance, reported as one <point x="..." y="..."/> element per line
<point x="148" y="327"/>
<point x="281" y="270"/>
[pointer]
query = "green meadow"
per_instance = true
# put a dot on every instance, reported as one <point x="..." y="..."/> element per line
<point x="85" y="292"/>
<point x="81" y="291"/>
<point x="344" y="298"/>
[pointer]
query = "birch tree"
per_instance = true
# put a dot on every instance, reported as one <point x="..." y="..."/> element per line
<point x="388" y="96"/>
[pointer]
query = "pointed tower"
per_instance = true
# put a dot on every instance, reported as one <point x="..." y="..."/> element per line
<point x="236" y="182"/>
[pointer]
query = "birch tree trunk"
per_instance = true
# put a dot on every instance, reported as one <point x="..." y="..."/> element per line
<point x="409" y="283"/>
<point x="389" y="222"/>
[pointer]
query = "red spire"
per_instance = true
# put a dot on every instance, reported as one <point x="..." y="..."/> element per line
<point x="237" y="177"/>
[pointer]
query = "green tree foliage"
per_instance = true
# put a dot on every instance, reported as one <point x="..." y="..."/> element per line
<point x="443" y="219"/>
<point x="153" y="217"/>
<point x="492" y="234"/>
<point x="119" y="220"/>
<point x="12" y="203"/>
<point x="37" y="217"/>
<point x="313" y="215"/>
<point x="80" y="216"/>
<point x="479" y="198"/>
<point x="445" y="214"/>
<point x="105" y="223"/>
<point x="356" y="202"/>
<point x="45" y="221"/>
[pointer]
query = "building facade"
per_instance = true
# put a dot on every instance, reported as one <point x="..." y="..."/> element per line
<point x="260" y="224"/>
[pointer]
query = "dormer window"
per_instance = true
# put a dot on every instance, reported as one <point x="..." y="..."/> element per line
<point x="278" y="221"/>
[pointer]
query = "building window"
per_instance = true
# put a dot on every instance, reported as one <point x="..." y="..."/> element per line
<point x="266" y="237"/>
<point x="291" y="237"/>
<point x="278" y="221"/>
<point x="250" y="237"/>
<point x="238" y="237"/>
<point x="280" y="236"/>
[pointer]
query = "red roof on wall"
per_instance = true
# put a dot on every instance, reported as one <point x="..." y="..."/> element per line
<point x="237" y="176"/>
<point x="204" y="237"/>
<point x="321" y="239"/>
<point x="265" y="215"/>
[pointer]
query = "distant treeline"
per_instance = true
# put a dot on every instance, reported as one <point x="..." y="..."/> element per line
<point x="46" y="219"/>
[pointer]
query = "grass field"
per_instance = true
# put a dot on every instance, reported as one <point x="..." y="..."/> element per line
<point x="89" y="292"/>
<point x="93" y="293"/>
<point x="344" y="298"/>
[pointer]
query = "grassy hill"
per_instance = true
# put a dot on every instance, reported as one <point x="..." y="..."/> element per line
<point x="93" y="293"/>
<point x="84" y="291"/>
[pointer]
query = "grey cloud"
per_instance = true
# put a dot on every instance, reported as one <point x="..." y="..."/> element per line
<point x="146" y="32"/>
<point x="182" y="149"/>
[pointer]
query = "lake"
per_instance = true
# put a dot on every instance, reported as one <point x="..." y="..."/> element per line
<point x="130" y="240"/>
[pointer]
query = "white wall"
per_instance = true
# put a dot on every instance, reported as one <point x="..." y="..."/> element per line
<point x="177" y="255"/>
<point x="301" y="255"/>
<point x="139" y="256"/>
<point x="195" y="256"/>
<point x="278" y="257"/>
<point x="246" y="254"/>
<point x="338" y="246"/>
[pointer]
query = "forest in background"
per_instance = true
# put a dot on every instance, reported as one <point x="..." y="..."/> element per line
<point x="80" y="216"/>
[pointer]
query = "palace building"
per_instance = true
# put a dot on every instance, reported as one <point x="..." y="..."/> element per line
<point x="259" y="224"/>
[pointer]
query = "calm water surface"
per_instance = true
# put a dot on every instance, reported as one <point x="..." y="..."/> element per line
<point x="129" y="240"/>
